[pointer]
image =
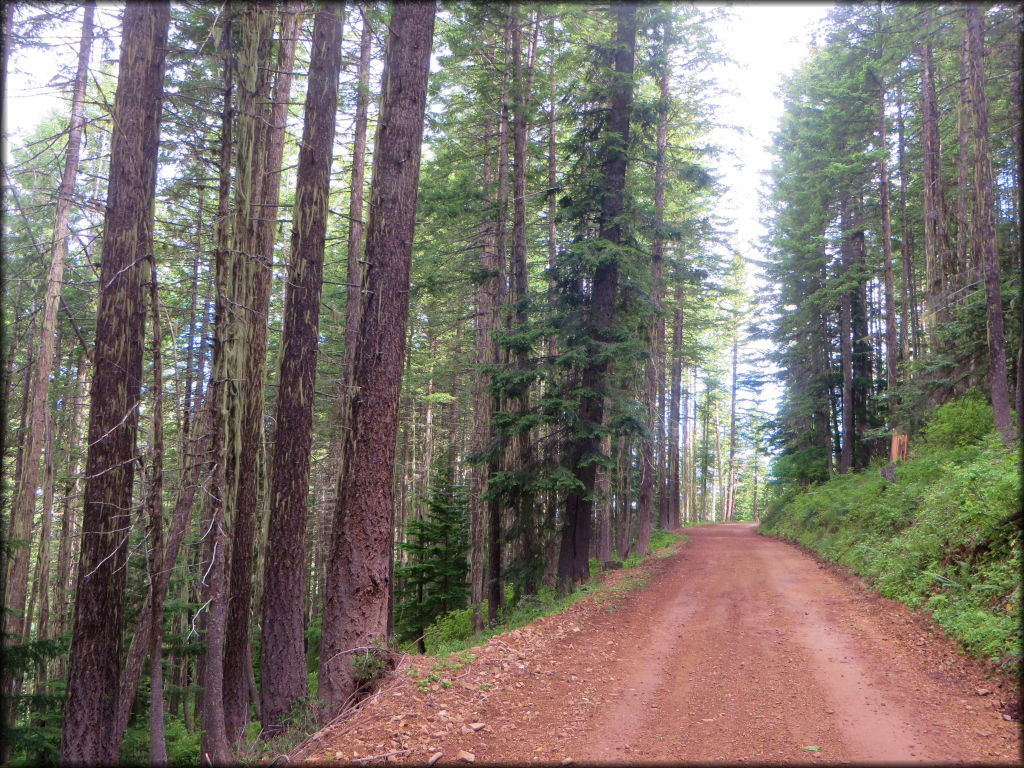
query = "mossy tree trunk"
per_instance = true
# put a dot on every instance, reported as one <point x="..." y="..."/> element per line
<point x="94" y="661"/>
<point x="985" y="229"/>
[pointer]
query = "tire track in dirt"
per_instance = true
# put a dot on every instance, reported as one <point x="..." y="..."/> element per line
<point x="738" y="648"/>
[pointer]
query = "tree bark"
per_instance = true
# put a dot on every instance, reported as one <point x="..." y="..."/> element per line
<point x="846" y="348"/>
<point x="525" y="508"/>
<point x="259" y="152"/>
<point x="159" y="574"/>
<point x="358" y="573"/>
<point x="487" y="292"/>
<point x="861" y="344"/>
<point x="675" y="387"/>
<point x="936" y="240"/>
<point x="891" y="342"/>
<point x="652" y="366"/>
<point x="985" y="229"/>
<point x="963" y="122"/>
<point x="730" y="496"/>
<point x="283" y="662"/>
<point x="120" y="322"/>
<point x="498" y="462"/>
<point x="223" y="429"/>
<point x="908" y="303"/>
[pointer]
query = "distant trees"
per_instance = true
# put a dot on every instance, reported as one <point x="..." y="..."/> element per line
<point x="855" y="369"/>
<point x="512" y="365"/>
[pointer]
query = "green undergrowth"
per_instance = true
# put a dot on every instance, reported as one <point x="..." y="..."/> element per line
<point x="944" y="537"/>
<point x="453" y="632"/>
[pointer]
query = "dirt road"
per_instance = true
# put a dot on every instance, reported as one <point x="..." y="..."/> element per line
<point x="735" y="648"/>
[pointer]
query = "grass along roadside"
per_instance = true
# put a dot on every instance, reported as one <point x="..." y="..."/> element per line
<point x="453" y="632"/>
<point x="943" y="538"/>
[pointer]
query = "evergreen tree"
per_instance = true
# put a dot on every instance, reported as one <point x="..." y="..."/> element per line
<point x="434" y="582"/>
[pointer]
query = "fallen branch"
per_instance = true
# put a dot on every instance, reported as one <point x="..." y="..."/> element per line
<point x="385" y="756"/>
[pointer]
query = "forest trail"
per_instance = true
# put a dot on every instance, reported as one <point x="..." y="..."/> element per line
<point x="736" y="647"/>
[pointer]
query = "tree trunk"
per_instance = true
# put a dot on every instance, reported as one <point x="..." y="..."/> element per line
<point x="846" y="349"/>
<point x="39" y="605"/>
<point x="498" y="462"/>
<point x="908" y="306"/>
<point x="159" y="574"/>
<point x="624" y="496"/>
<point x="861" y="344"/>
<point x="936" y="240"/>
<point x="522" y="74"/>
<point x="358" y="583"/>
<point x="120" y="325"/>
<point x="705" y="459"/>
<point x="65" y="572"/>
<point x="283" y="662"/>
<point x="891" y="343"/>
<point x="604" y="500"/>
<point x="15" y="627"/>
<point x="223" y="429"/>
<point x="648" y="473"/>
<point x="963" y="122"/>
<point x="573" y="564"/>
<point x="730" y="495"/>
<point x="486" y="296"/>
<point x="141" y="640"/>
<point x="674" y="486"/>
<point x="258" y="158"/>
<point x="985" y="229"/>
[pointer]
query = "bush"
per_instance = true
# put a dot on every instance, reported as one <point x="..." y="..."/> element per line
<point x="449" y="630"/>
<point x="960" y="422"/>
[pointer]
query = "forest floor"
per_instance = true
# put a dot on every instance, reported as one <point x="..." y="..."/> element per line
<point x="735" y="647"/>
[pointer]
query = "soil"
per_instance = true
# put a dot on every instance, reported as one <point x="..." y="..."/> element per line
<point x="736" y="648"/>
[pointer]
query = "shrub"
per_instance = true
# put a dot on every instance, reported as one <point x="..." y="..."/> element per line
<point x="448" y="630"/>
<point x="961" y="422"/>
<point x="944" y="537"/>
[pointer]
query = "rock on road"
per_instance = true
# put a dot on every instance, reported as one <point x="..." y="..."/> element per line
<point x="736" y="648"/>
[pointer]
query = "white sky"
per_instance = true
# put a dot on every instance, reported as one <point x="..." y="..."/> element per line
<point x="766" y="41"/>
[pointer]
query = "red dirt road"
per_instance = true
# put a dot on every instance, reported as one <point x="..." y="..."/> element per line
<point x="736" y="648"/>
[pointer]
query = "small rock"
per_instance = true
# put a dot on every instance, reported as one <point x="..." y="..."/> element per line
<point x="1007" y="718"/>
<point x="567" y="761"/>
<point x="435" y="757"/>
<point x="983" y="691"/>
<point x="477" y="726"/>
<point x="983" y="734"/>
<point x="466" y="757"/>
<point x="339" y="756"/>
